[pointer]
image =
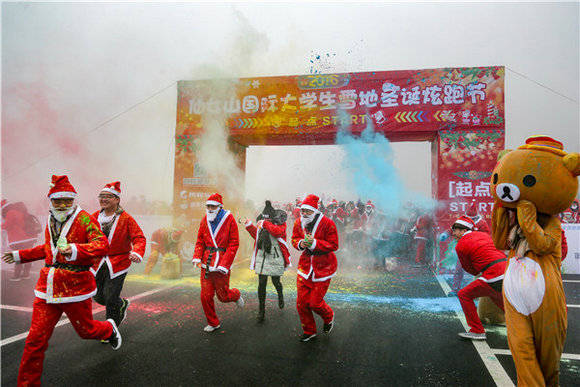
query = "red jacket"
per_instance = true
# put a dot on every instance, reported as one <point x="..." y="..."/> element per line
<point x="88" y="244"/>
<point x="14" y="223"/>
<point x="278" y="232"/>
<point x="225" y="237"/>
<point x="423" y="226"/>
<point x="340" y="215"/>
<point x="319" y="260"/>
<point x="477" y="252"/>
<point x="564" y="246"/>
<point x="125" y="237"/>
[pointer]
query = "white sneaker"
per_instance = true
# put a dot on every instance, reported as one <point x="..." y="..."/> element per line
<point x="472" y="335"/>
<point x="115" y="340"/>
<point x="211" y="328"/>
<point x="240" y="302"/>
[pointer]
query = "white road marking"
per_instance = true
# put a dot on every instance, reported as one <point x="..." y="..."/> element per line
<point x="569" y="356"/>
<point x="65" y="321"/>
<point x="15" y="307"/>
<point x="496" y="370"/>
<point x="572" y="281"/>
<point x="573" y="306"/>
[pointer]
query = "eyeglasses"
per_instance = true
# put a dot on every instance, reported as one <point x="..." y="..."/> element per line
<point x="106" y="196"/>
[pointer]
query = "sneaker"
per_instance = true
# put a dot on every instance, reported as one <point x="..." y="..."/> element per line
<point x="240" y="302"/>
<point x="104" y="341"/>
<point x="307" y="337"/>
<point x="123" y="310"/>
<point x="14" y="278"/>
<point x="328" y="327"/>
<point x="211" y="328"/>
<point x="115" y="340"/>
<point x="472" y="335"/>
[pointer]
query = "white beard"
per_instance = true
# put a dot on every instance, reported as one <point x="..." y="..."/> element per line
<point x="306" y="219"/>
<point x="211" y="215"/>
<point x="104" y="218"/>
<point x="61" y="216"/>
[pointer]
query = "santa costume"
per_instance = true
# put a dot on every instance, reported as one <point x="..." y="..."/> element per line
<point x="125" y="239"/>
<point x="163" y="241"/>
<point x="479" y="224"/>
<point x="423" y="228"/>
<point x="270" y="257"/>
<point x="73" y="241"/>
<point x="215" y="250"/>
<point x="316" y="236"/>
<point x="21" y="230"/>
<point x="479" y="257"/>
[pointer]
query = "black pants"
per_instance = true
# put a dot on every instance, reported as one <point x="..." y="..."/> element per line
<point x="262" y="282"/>
<point x="109" y="291"/>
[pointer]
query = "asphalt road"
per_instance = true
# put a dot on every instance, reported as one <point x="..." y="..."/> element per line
<point x="392" y="328"/>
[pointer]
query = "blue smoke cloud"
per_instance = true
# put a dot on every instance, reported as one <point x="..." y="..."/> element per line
<point x="369" y="162"/>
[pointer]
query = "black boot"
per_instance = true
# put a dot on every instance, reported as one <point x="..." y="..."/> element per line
<point x="281" y="300"/>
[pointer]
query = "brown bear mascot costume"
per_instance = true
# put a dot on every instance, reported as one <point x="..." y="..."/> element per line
<point x="530" y="186"/>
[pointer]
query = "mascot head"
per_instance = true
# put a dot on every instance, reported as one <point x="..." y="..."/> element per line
<point x="539" y="171"/>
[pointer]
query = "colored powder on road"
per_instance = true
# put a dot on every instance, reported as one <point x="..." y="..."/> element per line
<point x="434" y="305"/>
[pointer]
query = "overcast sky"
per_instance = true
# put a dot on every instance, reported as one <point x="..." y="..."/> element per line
<point x="67" y="68"/>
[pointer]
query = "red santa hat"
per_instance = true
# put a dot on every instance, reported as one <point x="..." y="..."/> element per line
<point x="61" y="188"/>
<point x="370" y="204"/>
<point x="215" y="200"/>
<point x="310" y="203"/>
<point x="472" y="210"/>
<point x="114" y="188"/>
<point x="464" y="221"/>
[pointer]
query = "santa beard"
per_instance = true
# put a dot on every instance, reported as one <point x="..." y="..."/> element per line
<point x="306" y="219"/>
<point x="211" y="215"/>
<point x="61" y="215"/>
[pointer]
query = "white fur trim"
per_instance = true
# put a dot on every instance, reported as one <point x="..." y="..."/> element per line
<point x="213" y="203"/>
<point x="98" y="267"/>
<point x="195" y="260"/>
<point x="213" y="235"/>
<point x="314" y="279"/>
<point x="464" y="223"/>
<point x="302" y="274"/>
<point x="64" y="231"/>
<point x="16" y="256"/>
<point x="307" y="207"/>
<point x="494" y="279"/>
<point x="114" y="192"/>
<point x="73" y="256"/>
<point x="222" y="269"/>
<point x="311" y="248"/>
<point x="66" y="300"/>
<point x="137" y="254"/>
<point x="524" y="285"/>
<point x="63" y="195"/>
<point x="115" y="275"/>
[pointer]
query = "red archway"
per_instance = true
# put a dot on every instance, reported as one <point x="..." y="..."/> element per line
<point x="459" y="110"/>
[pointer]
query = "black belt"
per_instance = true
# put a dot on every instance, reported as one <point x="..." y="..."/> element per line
<point x="69" y="267"/>
<point x="214" y="249"/>
<point x="493" y="263"/>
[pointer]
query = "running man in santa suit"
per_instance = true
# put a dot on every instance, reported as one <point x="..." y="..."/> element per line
<point x="315" y="235"/>
<point x="126" y="245"/>
<point x="215" y="250"/>
<point x="479" y="257"/>
<point x="479" y="224"/>
<point x="73" y="241"/>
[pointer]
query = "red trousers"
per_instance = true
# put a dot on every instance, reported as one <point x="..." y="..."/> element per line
<point x="44" y="318"/>
<point x="310" y="299"/>
<point x="420" y="253"/>
<point x="476" y="289"/>
<point x="216" y="283"/>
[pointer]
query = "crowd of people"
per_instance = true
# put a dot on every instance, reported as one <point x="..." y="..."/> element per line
<point x="87" y="257"/>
